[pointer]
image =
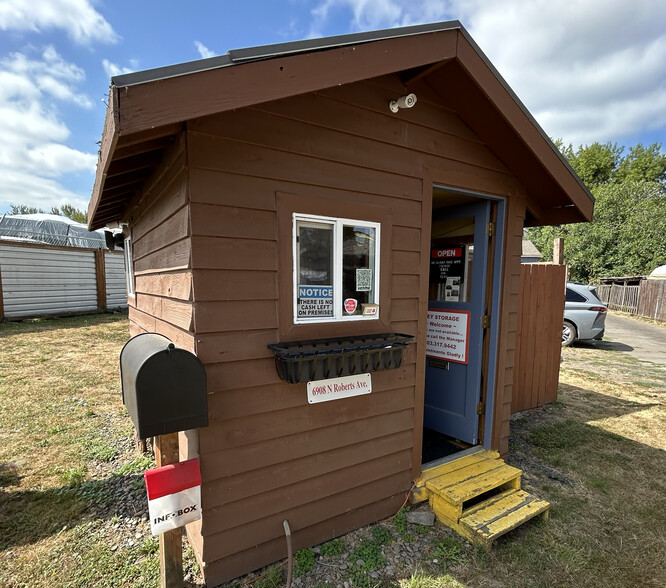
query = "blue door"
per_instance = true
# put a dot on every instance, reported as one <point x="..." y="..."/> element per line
<point x="457" y="303"/>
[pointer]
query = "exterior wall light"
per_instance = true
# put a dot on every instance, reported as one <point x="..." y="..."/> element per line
<point x="403" y="102"/>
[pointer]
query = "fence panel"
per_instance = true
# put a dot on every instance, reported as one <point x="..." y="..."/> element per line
<point x="539" y="335"/>
<point x="652" y="300"/>
<point x="116" y="287"/>
<point x="623" y="298"/>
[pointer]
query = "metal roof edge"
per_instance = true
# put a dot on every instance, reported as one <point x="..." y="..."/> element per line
<point x="526" y="112"/>
<point x="249" y="54"/>
<point x="322" y="43"/>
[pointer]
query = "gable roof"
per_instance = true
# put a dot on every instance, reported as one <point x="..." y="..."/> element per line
<point x="146" y="109"/>
<point x="530" y="250"/>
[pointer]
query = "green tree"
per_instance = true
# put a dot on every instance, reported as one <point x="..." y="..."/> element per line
<point x="74" y="213"/>
<point x="626" y="236"/>
<point x="595" y="164"/>
<point x="643" y="163"/>
<point x="23" y="209"/>
<point x="66" y="210"/>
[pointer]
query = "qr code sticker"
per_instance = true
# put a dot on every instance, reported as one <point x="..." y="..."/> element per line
<point x="363" y="280"/>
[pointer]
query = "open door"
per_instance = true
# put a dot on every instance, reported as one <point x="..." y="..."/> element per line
<point x="457" y="320"/>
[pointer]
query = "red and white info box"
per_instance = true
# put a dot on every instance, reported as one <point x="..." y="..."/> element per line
<point x="174" y="495"/>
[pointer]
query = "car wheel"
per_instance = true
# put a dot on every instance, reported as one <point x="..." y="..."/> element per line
<point x="568" y="334"/>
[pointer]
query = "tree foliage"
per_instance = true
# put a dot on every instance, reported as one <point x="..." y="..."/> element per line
<point x="66" y="210"/>
<point x="628" y="233"/>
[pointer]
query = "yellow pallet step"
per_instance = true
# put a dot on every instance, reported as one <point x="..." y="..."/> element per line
<point x="456" y="464"/>
<point x="473" y="480"/>
<point x="485" y="522"/>
<point x="420" y="493"/>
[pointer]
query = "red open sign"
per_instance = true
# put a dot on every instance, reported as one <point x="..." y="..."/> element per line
<point x="447" y="253"/>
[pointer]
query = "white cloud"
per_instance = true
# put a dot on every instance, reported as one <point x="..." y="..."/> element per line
<point x="588" y="70"/>
<point x="203" y="50"/>
<point x="112" y="69"/>
<point x="78" y="18"/>
<point x="33" y="154"/>
<point x="592" y="70"/>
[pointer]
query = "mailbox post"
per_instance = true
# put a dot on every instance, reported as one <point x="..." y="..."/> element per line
<point x="164" y="390"/>
<point x="171" y="547"/>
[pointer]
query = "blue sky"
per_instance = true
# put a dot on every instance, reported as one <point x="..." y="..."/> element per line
<point x="588" y="70"/>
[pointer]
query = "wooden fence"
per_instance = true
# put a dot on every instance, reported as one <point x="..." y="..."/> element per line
<point x="652" y="300"/>
<point x="618" y="297"/>
<point x="41" y="280"/>
<point x="647" y="300"/>
<point x="539" y="335"/>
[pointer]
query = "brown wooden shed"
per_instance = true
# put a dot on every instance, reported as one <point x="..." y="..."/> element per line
<point x="271" y="195"/>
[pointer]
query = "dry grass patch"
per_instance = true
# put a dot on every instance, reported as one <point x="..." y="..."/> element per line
<point x="72" y="497"/>
<point x="67" y="463"/>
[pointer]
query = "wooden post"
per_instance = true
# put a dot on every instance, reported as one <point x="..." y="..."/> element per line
<point x="558" y="251"/>
<point x="100" y="277"/>
<point x="2" y="301"/>
<point x="171" y="542"/>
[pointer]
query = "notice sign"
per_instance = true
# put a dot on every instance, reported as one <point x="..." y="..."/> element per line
<point x="315" y="301"/>
<point x="336" y="388"/>
<point x="447" y="336"/>
<point x="174" y="495"/>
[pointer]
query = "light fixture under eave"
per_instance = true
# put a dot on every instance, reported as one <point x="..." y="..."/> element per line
<point x="403" y="102"/>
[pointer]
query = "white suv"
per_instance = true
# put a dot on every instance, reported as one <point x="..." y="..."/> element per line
<point x="584" y="314"/>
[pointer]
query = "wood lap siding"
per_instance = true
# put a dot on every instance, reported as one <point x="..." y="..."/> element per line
<point x="267" y="454"/>
<point x="162" y="265"/>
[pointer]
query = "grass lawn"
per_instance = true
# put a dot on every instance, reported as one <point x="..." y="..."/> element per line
<point x="72" y="500"/>
<point x="72" y="496"/>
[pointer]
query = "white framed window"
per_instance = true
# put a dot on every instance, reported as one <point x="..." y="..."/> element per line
<point x="129" y="266"/>
<point x="336" y="269"/>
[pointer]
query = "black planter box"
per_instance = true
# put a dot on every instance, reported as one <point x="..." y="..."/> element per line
<point x="320" y="359"/>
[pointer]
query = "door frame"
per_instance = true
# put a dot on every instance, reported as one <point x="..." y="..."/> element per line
<point x="490" y="364"/>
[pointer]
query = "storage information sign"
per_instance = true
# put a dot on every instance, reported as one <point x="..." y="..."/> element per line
<point x="448" y="335"/>
<point x="314" y="301"/>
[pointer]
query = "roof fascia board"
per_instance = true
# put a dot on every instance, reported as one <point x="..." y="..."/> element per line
<point x="507" y="102"/>
<point x="236" y="56"/>
<point x="324" y="43"/>
<point x="106" y="149"/>
<point x="171" y="100"/>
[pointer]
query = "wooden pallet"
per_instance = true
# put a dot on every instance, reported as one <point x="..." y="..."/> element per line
<point x="479" y="496"/>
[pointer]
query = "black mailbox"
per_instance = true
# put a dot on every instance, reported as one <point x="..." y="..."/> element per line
<point x="164" y="387"/>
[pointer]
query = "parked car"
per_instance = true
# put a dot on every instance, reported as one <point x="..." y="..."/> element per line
<point x="584" y="314"/>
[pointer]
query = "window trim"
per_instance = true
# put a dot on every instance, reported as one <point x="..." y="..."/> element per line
<point x="129" y="267"/>
<point x="338" y="223"/>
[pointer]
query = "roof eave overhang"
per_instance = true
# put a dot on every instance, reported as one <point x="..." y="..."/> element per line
<point x="157" y="107"/>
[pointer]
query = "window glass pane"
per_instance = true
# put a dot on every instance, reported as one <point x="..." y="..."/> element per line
<point x="574" y="296"/>
<point x="452" y="260"/>
<point x="315" y="269"/>
<point x="358" y="267"/>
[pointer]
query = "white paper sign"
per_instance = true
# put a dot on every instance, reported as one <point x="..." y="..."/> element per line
<point x="447" y="335"/>
<point x="336" y="388"/>
<point x="363" y="279"/>
<point x="174" y="510"/>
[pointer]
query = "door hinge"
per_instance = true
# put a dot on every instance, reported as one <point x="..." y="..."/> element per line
<point x="491" y="229"/>
<point x="480" y="408"/>
<point x="485" y="321"/>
